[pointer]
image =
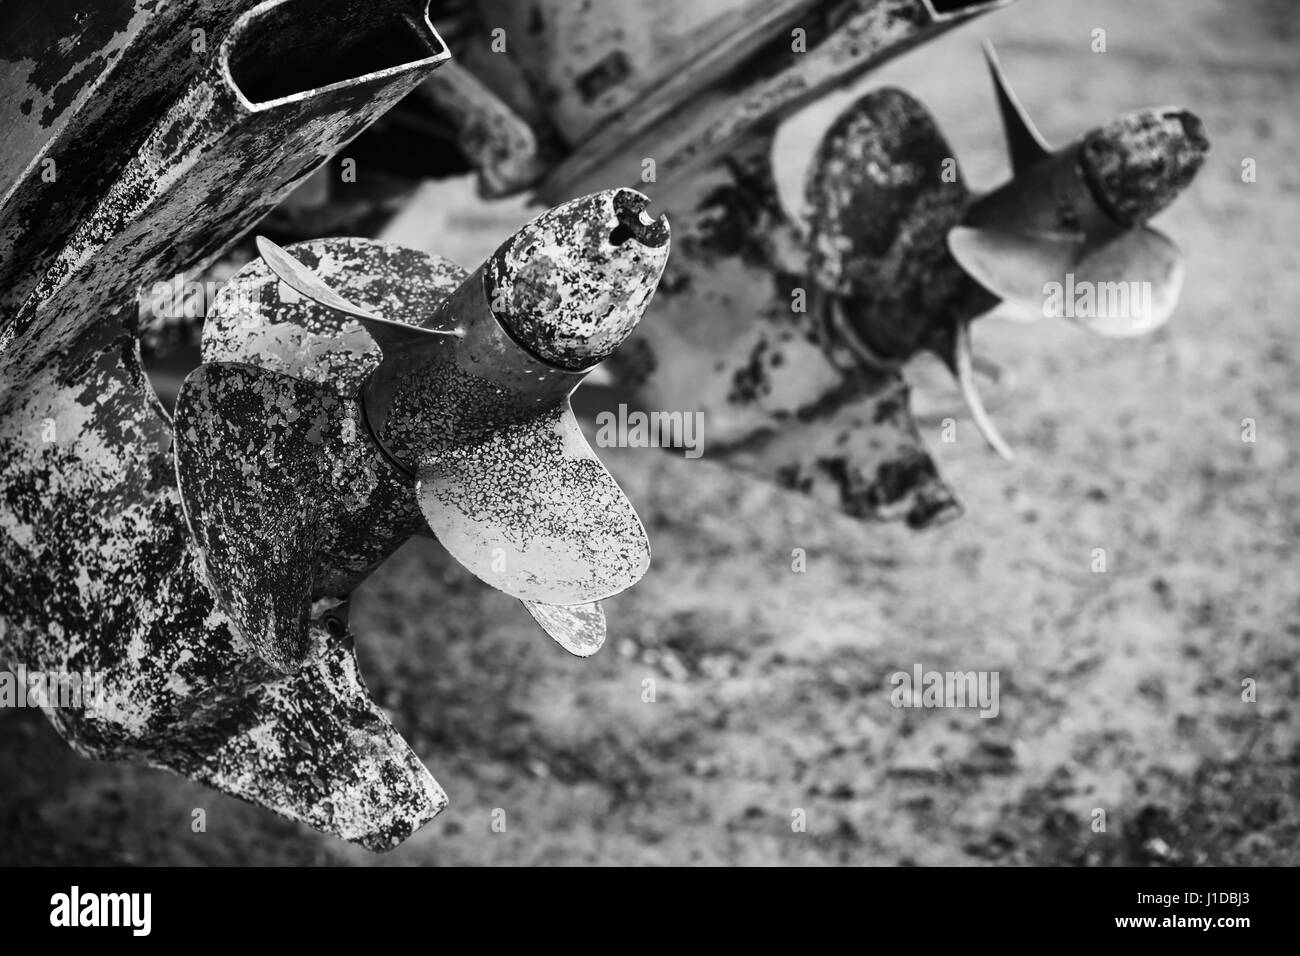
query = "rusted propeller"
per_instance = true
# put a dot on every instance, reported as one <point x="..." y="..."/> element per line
<point x="305" y="455"/>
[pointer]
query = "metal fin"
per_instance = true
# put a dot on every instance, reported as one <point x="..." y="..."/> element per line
<point x="1025" y="144"/>
<point x="1149" y="265"/>
<point x="964" y="371"/>
<point x="1014" y="266"/>
<point x="314" y="747"/>
<point x="579" y="629"/>
<point x="1123" y="287"/>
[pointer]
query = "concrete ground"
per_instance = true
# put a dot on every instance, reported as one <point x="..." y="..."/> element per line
<point x="1121" y="691"/>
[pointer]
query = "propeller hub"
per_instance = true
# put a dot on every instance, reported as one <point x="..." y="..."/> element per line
<point x="1137" y="164"/>
<point x="572" y="284"/>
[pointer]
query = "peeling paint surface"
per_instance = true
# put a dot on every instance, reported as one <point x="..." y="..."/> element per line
<point x="285" y="497"/>
<point x="101" y="575"/>
<point x="88" y="80"/>
<point x="98" y="571"/>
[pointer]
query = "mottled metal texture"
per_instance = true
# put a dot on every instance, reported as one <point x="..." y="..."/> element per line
<point x="238" y="139"/>
<point x="684" y="130"/>
<point x="1079" y="213"/>
<point x="97" y="570"/>
<point x="740" y="333"/>
<point x="568" y="277"/>
<point x="530" y="509"/>
<point x="286" y="499"/>
<point x="1139" y="163"/>
<point x="100" y="575"/>
<point x="257" y="320"/>
<point x="1111" y="179"/>
<point x="81" y="84"/>
<point x="879" y="211"/>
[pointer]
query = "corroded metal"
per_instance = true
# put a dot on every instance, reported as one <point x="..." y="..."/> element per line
<point x="506" y="480"/>
<point x="886" y="251"/>
<point x="431" y="403"/>
<point x="294" y="465"/>
<point x="237" y="140"/>
<point x="97" y="570"/>
<point x="604" y="252"/>
<point x="100" y="576"/>
<point x="82" y="83"/>
<point x="742" y="334"/>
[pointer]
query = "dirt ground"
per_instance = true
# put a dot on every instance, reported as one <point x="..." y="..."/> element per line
<point x="1121" y="691"/>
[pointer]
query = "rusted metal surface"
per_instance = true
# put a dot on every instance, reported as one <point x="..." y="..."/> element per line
<point x="99" y="574"/>
<point x="606" y="255"/>
<point x="227" y="655"/>
<point x="238" y="139"/>
<point x="259" y="321"/>
<point x="886" y="254"/>
<point x="81" y="85"/>
<point x="285" y="497"/>
<point x="1076" y="218"/>
<point x="301" y="468"/>
<point x="742" y="333"/>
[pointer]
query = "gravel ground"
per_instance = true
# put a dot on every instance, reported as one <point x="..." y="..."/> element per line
<point x="1120" y="691"/>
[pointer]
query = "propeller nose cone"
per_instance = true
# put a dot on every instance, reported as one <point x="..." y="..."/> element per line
<point x="1193" y="128"/>
<point x="1138" y="164"/>
<point x="573" y="283"/>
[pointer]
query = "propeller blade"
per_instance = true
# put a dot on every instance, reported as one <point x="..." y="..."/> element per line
<point x="1125" y="286"/>
<point x="1140" y="273"/>
<point x="579" y="629"/>
<point x="962" y="364"/>
<point x="1014" y="266"/>
<point x="252" y="480"/>
<point x="530" y="510"/>
<point x="1025" y="144"/>
<point x="390" y="335"/>
<point x="258" y="319"/>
